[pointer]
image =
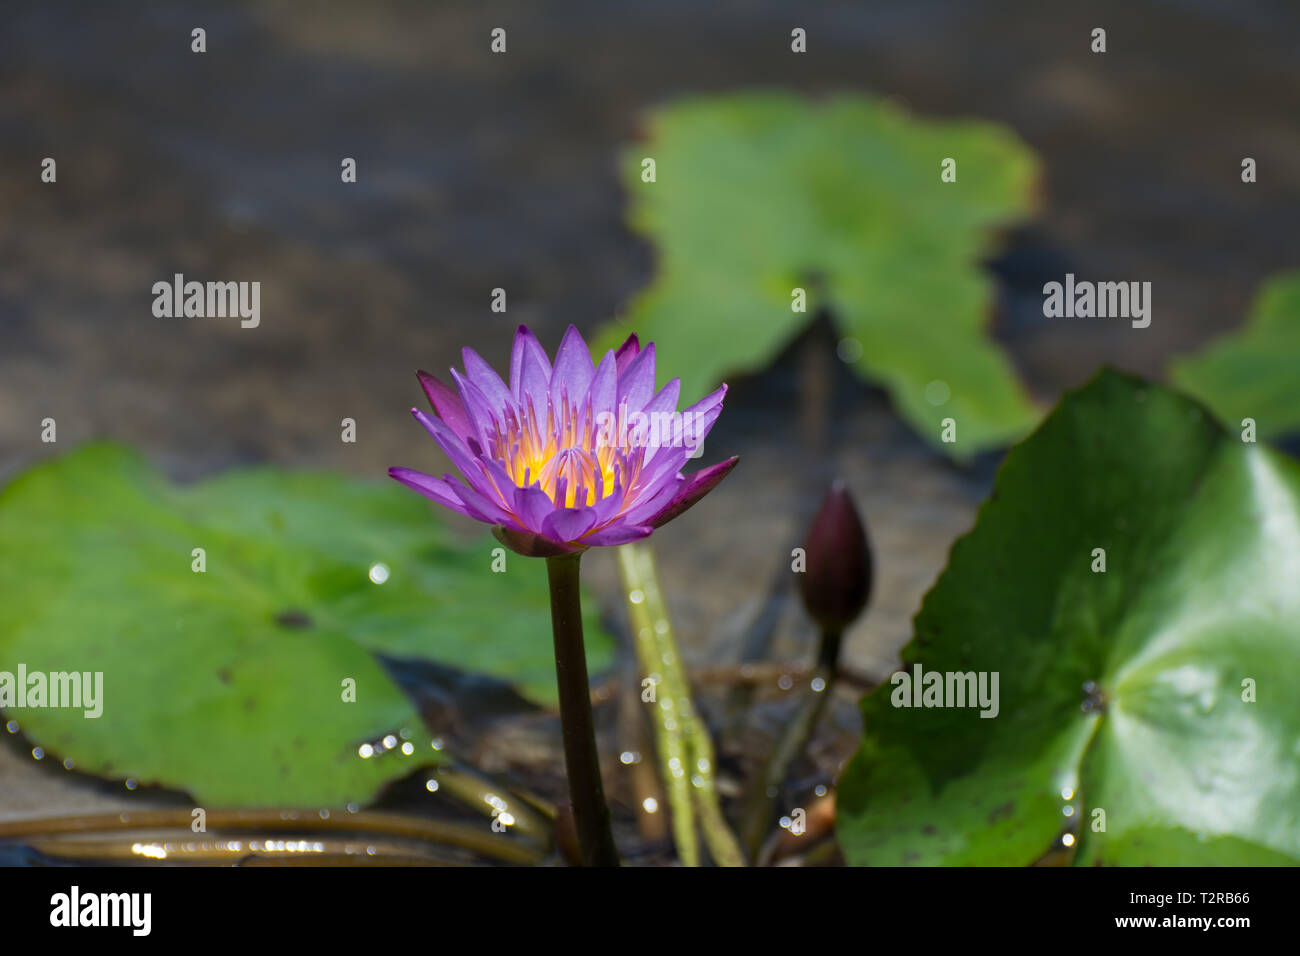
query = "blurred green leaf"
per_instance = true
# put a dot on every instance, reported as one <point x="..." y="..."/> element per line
<point x="1202" y="544"/>
<point x="759" y="193"/>
<point x="228" y="683"/>
<point x="1254" y="372"/>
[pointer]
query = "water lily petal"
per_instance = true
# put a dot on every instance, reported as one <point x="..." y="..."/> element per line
<point x="603" y="389"/>
<point x="573" y="369"/>
<point x="488" y="381"/>
<point x="568" y="524"/>
<point x="654" y="500"/>
<point x="627" y="352"/>
<point x="636" y="380"/>
<point x="499" y="482"/>
<point x="697" y="486"/>
<point x="609" y="506"/>
<point x="452" y="446"/>
<point x="487" y="509"/>
<point x="436" y="489"/>
<point x="664" y="464"/>
<point x="617" y="534"/>
<point x="697" y="421"/>
<point x="665" y="399"/>
<point x="532" y="505"/>
<point x="483" y="417"/>
<point x="708" y="403"/>
<point x="530" y="369"/>
<point x="446" y="403"/>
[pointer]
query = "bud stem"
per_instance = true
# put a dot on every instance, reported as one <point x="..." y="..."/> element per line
<point x="828" y="656"/>
<point x="759" y="811"/>
<point x="587" y="793"/>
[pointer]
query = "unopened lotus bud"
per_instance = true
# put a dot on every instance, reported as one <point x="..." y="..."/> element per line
<point x="837" y="580"/>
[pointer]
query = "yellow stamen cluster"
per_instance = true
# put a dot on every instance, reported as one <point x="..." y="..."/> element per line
<point x="569" y="451"/>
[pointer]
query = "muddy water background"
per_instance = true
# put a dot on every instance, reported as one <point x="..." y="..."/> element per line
<point x="478" y="171"/>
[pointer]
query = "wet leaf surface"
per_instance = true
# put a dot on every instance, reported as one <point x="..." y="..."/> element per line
<point x="757" y="194"/>
<point x="1253" y="372"/>
<point x="230" y="683"/>
<point x="1123" y="692"/>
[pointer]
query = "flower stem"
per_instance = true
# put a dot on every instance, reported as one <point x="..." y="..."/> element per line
<point x="587" y="794"/>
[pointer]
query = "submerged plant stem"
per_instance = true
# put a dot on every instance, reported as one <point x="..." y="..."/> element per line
<point x="586" y="792"/>
<point x="367" y="823"/>
<point x="670" y="733"/>
<point x="686" y="754"/>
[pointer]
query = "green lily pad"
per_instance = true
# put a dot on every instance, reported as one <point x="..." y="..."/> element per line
<point x="1254" y="372"/>
<point x="230" y="683"/>
<point x="1123" y="691"/>
<point x="757" y="194"/>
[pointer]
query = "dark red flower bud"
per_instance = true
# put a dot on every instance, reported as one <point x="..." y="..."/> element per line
<point x="836" y="582"/>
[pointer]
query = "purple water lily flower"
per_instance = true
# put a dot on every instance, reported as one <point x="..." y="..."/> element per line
<point x="568" y="457"/>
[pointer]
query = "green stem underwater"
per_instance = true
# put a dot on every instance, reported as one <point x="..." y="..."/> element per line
<point x="685" y="750"/>
<point x="586" y="792"/>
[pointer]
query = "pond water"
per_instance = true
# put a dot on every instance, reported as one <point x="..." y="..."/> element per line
<point x="476" y="172"/>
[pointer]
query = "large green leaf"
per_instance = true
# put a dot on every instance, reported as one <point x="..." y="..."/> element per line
<point x="1202" y="545"/>
<point x="759" y="193"/>
<point x="1254" y="372"/>
<point x="229" y="683"/>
